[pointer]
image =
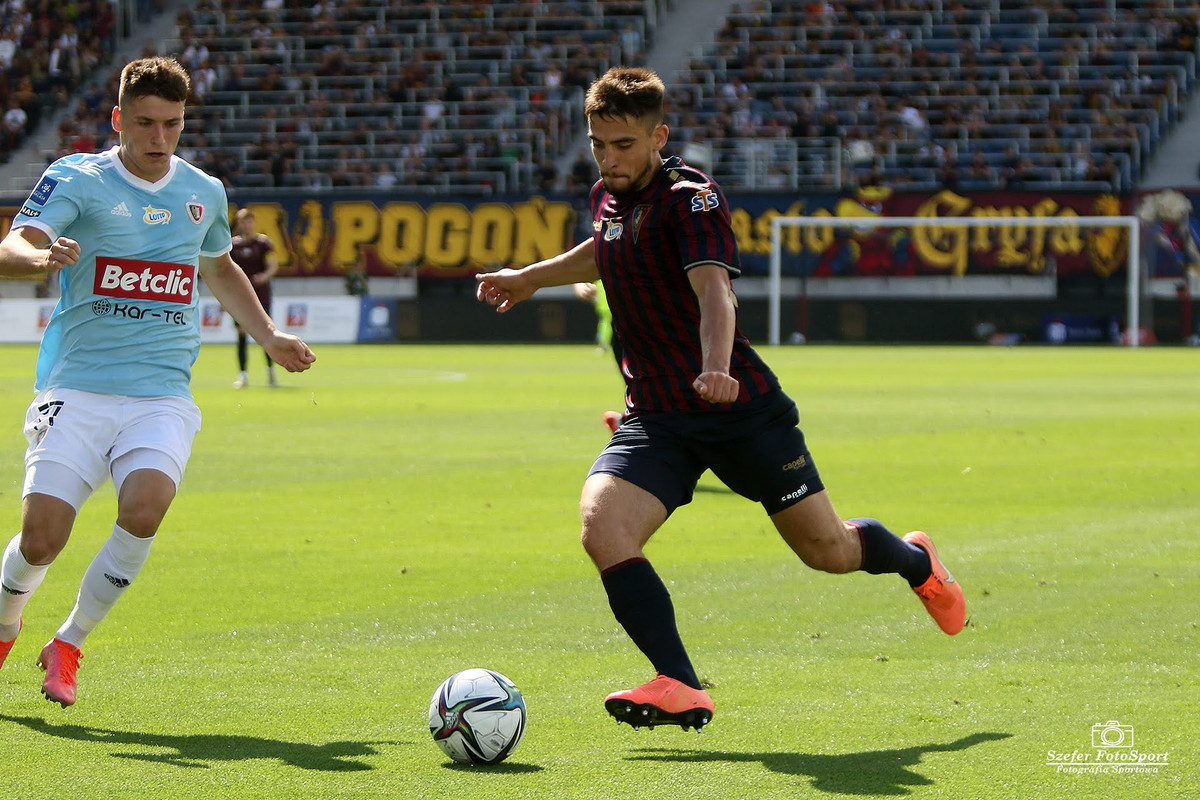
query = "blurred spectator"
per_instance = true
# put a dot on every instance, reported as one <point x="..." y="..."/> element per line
<point x="14" y="124"/>
<point x="547" y="177"/>
<point x="980" y="170"/>
<point x="583" y="173"/>
<point x="384" y="177"/>
<point x="8" y="48"/>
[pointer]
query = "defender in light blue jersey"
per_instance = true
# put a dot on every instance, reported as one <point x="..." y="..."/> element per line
<point x="126" y="322"/>
<point x="129" y="232"/>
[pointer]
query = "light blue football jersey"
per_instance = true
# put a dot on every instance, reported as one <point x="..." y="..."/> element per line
<point x="127" y="320"/>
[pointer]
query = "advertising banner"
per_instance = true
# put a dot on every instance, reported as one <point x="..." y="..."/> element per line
<point x="379" y="234"/>
<point x="315" y="319"/>
<point x="377" y="320"/>
<point x="944" y="250"/>
<point x="23" y="320"/>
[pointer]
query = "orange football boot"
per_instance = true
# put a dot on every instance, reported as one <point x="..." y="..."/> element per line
<point x="941" y="594"/>
<point x="6" y="646"/>
<point x="60" y="661"/>
<point x="662" y="701"/>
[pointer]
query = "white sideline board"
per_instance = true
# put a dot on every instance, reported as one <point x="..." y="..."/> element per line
<point x="316" y="320"/>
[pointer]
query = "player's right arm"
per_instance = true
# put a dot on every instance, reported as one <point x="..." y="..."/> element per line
<point x="506" y="287"/>
<point x="28" y="252"/>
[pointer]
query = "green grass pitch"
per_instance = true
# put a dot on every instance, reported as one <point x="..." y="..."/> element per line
<point x="343" y="543"/>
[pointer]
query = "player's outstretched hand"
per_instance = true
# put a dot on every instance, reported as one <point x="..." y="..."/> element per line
<point x="62" y="252"/>
<point x="503" y="288"/>
<point x="717" y="387"/>
<point x="289" y="352"/>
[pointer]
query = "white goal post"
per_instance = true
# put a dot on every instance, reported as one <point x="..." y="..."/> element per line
<point x="1130" y="223"/>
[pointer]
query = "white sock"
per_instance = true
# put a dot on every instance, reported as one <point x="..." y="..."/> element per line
<point x="19" y="579"/>
<point x="108" y="576"/>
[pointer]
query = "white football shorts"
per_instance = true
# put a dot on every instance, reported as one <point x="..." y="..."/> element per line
<point x="78" y="439"/>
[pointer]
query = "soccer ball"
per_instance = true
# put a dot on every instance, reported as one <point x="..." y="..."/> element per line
<point x="477" y="716"/>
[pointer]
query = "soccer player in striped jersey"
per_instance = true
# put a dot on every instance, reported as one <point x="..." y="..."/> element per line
<point x="255" y="254"/>
<point x="698" y="396"/>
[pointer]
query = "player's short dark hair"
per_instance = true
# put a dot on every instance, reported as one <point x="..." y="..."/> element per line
<point x="242" y="214"/>
<point x="154" y="77"/>
<point x="627" y="92"/>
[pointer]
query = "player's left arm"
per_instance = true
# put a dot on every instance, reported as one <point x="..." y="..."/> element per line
<point x="231" y="287"/>
<point x="718" y="318"/>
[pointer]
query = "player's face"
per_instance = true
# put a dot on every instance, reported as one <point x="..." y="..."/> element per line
<point x="150" y="129"/>
<point x="627" y="151"/>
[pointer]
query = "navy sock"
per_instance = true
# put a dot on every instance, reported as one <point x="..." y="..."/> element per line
<point x="642" y="604"/>
<point x="241" y="351"/>
<point x="884" y="551"/>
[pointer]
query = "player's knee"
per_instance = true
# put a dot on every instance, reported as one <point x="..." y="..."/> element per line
<point x="41" y="545"/>
<point x="141" y="521"/>
<point x="597" y="542"/>
<point x="593" y="539"/>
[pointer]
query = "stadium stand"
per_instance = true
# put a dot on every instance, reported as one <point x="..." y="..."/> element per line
<point x="970" y="94"/>
<point x="484" y="97"/>
<point x="46" y="50"/>
<point x="476" y="97"/>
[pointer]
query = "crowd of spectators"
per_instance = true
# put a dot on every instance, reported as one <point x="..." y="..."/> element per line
<point x="483" y="97"/>
<point x="46" y="49"/>
<point x="967" y="94"/>
<point x="475" y="96"/>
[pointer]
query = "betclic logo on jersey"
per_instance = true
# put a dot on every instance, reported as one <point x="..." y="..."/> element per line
<point x="131" y="279"/>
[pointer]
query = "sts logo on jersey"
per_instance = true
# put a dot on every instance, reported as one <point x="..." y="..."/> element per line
<point x="705" y="200"/>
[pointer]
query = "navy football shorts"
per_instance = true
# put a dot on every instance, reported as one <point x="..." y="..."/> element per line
<point x="756" y="450"/>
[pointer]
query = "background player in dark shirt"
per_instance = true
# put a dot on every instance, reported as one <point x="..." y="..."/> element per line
<point x="255" y="254"/>
<point x="698" y="396"/>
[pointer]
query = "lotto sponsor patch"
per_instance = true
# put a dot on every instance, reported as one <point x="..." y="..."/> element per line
<point x="145" y="280"/>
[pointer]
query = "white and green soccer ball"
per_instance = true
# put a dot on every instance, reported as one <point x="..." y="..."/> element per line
<point x="477" y="716"/>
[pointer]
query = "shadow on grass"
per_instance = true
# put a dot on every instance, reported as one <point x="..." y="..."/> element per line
<point x="203" y="750"/>
<point x="503" y="768"/>
<point x="873" y="773"/>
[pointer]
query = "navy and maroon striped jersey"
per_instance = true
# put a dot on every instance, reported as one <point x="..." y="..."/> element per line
<point x="645" y="243"/>
<point x="251" y="256"/>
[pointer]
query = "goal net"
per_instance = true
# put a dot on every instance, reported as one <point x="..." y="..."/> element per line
<point x="999" y="257"/>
